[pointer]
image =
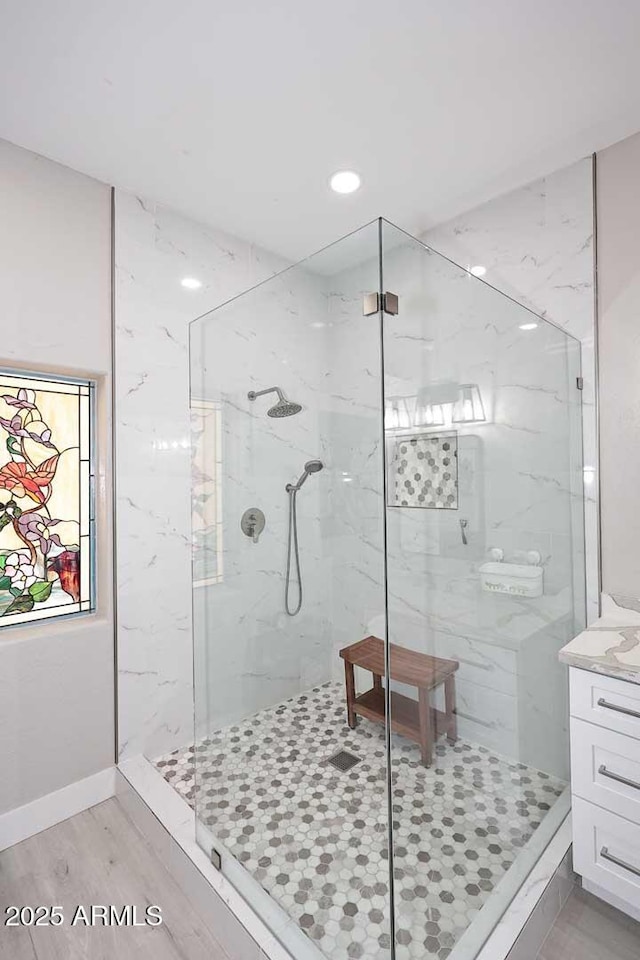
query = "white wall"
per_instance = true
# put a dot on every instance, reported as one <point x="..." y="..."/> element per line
<point x="537" y="246"/>
<point x="249" y="652"/>
<point x="519" y="475"/>
<point x="56" y="678"/>
<point x="618" y="199"/>
<point x="154" y="249"/>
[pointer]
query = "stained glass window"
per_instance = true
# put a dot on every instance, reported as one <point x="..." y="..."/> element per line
<point x="46" y="497"/>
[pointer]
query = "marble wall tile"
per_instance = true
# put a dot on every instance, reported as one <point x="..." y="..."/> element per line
<point x="155" y="250"/>
<point x="520" y="490"/>
<point x="250" y="651"/>
<point x="537" y="246"/>
<point x="305" y="332"/>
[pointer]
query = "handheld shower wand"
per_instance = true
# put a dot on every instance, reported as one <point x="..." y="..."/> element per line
<point x="311" y="466"/>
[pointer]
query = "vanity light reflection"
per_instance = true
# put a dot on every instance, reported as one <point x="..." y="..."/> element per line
<point x="469" y="407"/>
<point x="163" y="445"/>
<point x="397" y="414"/>
<point x="439" y="406"/>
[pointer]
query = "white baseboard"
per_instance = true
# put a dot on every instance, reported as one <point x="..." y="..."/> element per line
<point x="45" y="812"/>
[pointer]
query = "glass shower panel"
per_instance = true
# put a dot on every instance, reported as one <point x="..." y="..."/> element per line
<point x="387" y="522"/>
<point x="485" y="583"/>
<point x="289" y="797"/>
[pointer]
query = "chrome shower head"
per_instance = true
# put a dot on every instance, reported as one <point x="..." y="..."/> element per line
<point x="282" y="407"/>
<point x="311" y="466"/>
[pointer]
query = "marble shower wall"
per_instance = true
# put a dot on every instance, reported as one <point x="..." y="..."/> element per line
<point x="537" y="246"/>
<point x="255" y="655"/>
<point x="278" y="334"/>
<point x="154" y="250"/>
<point x="519" y="476"/>
<point x="305" y="332"/>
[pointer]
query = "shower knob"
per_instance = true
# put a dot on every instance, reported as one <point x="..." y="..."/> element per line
<point x="252" y="523"/>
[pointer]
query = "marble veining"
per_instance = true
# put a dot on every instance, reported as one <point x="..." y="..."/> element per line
<point x="515" y="489"/>
<point x="610" y="645"/>
<point x="154" y="249"/>
<point x="536" y="243"/>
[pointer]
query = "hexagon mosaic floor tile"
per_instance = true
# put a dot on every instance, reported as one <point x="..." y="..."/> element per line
<point x="315" y="837"/>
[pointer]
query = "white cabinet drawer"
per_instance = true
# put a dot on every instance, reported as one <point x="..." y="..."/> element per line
<point x="606" y="851"/>
<point x="605" y="768"/>
<point x="610" y="703"/>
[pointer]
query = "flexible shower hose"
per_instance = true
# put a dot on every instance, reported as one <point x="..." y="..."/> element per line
<point x="293" y="542"/>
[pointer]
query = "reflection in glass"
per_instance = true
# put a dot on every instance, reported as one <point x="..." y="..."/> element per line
<point x="468" y="408"/>
<point x="397" y="414"/>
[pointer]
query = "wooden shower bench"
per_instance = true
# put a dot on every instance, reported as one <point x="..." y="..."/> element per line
<point x="417" y="720"/>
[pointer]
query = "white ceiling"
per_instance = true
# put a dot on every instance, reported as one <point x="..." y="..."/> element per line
<point x="237" y="112"/>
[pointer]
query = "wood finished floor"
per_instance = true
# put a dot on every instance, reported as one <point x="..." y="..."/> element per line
<point x="98" y="857"/>
<point x="589" y="929"/>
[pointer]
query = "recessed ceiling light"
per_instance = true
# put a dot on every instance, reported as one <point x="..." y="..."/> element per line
<point x="478" y="270"/>
<point x="345" y="181"/>
<point x="528" y="326"/>
<point x="191" y="283"/>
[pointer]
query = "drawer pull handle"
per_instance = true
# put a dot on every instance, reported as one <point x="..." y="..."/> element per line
<point x="604" y="853"/>
<point x="618" y="777"/>
<point x="614" y="706"/>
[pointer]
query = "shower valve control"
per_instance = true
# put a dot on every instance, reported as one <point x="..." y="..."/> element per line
<point x="252" y="523"/>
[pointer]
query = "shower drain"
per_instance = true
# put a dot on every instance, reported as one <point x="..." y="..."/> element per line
<point x="343" y="760"/>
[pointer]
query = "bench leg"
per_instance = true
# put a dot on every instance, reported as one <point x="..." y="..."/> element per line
<point x="377" y="682"/>
<point x="426" y="726"/>
<point x="351" y="693"/>
<point x="450" y="709"/>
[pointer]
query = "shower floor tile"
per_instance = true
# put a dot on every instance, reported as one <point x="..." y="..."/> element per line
<point x="315" y="837"/>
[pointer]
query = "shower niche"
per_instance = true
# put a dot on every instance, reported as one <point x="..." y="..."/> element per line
<point x="423" y="471"/>
<point x="365" y="557"/>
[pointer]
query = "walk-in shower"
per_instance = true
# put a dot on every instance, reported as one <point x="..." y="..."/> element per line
<point x="428" y="656"/>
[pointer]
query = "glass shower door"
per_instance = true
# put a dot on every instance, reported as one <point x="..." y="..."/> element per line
<point x="387" y="519"/>
<point x="290" y="799"/>
<point x="485" y="583"/>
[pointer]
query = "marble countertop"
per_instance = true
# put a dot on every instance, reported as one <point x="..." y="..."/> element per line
<point x="611" y="645"/>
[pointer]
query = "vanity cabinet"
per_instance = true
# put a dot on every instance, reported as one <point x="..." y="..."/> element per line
<point x="605" y="786"/>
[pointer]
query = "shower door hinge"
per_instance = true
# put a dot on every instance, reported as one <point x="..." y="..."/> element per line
<point x="390" y="303"/>
<point x="373" y="302"/>
<point x="216" y="859"/>
<point x="579" y="383"/>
